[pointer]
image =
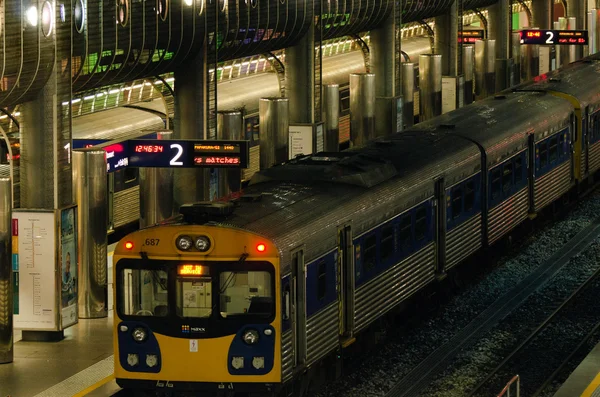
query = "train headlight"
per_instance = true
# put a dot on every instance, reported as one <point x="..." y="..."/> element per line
<point x="184" y="243"/>
<point x="250" y="337"/>
<point x="258" y="362"/>
<point x="202" y="244"/>
<point x="139" y="335"/>
<point x="151" y="360"/>
<point x="133" y="360"/>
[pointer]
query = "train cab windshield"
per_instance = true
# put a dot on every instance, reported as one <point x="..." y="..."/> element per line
<point x="196" y="293"/>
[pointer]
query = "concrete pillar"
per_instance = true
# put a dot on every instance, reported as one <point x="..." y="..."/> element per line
<point x="516" y="58"/>
<point x="446" y="40"/>
<point x="575" y="51"/>
<point x="485" y="68"/>
<point x="362" y="108"/>
<point x="191" y="185"/>
<point x="430" y="85"/>
<point x="331" y="116"/>
<point x="468" y="71"/>
<point x="302" y="72"/>
<point x="229" y="128"/>
<point x="89" y="176"/>
<point x="6" y="274"/>
<point x="541" y="11"/>
<point x="274" y="125"/>
<point x="594" y="30"/>
<point x="499" y="29"/>
<point x="408" y="93"/>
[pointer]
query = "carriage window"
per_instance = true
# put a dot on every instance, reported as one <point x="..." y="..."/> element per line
<point x="194" y="296"/>
<point x="130" y="174"/>
<point x="370" y="253"/>
<point x="469" y="195"/>
<point x="387" y="242"/>
<point x="553" y="148"/>
<point x="405" y="231"/>
<point x="322" y="281"/>
<point x="245" y="292"/>
<point x="507" y="177"/>
<point x="496" y="182"/>
<point x="456" y="202"/>
<point x="286" y="302"/>
<point x="420" y="224"/>
<point x="543" y="147"/>
<point x="518" y="169"/>
<point x="144" y="292"/>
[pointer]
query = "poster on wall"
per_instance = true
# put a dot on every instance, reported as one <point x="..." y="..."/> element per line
<point x="300" y="140"/>
<point x="68" y="266"/>
<point x="36" y="241"/>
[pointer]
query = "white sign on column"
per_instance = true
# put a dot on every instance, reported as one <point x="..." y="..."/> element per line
<point x="300" y="140"/>
<point x="448" y="94"/>
<point x="544" y="59"/>
<point x="36" y="245"/>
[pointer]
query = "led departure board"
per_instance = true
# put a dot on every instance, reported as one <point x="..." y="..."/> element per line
<point x="545" y="36"/>
<point x="188" y="154"/>
<point x="470" y="35"/>
<point x="192" y="270"/>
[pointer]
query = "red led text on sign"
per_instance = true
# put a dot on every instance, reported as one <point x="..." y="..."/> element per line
<point x="534" y="34"/>
<point x="221" y="160"/>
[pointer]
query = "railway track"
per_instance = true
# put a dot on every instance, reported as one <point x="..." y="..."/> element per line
<point x="541" y="355"/>
<point x="422" y="375"/>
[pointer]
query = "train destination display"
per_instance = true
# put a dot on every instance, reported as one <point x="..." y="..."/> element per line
<point x="470" y="35"/>
<point x="546" y="36"/>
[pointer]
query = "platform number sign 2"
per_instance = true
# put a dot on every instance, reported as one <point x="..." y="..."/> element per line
<point x="549" y="37"/>
<point x="179" y="151"/>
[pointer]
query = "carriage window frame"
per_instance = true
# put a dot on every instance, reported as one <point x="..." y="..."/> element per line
<point x="456" y="201"/>
<point x="420" y="223"/>
<point x="553" y="149"/>
<point x="405" y="234"/>
<point x="387" y="249"/>
<point x="369" y="258"/>
<point x="496" y="182"/>
<point x="469" y="195"/>
<point x="321" y="280"/>
<point x="543" y="153"/>
<point x="518" y="168"/>
<point x="507" y="177"/>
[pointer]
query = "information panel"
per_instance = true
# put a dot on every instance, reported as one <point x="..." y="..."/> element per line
<point x="546" y="36"/>
<point x="34" y="235"/>
<point x="188" y="153"/>
<point x="68" y="267"/>
<point x="470" y="35"/>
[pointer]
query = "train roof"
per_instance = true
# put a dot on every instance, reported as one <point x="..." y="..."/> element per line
<point x="502" y="123"/>
<point x="580" y="79"/>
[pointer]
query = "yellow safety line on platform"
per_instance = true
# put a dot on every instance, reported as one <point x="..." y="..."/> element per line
<point x="592" y="387"/>
<point x="95" y="386"/>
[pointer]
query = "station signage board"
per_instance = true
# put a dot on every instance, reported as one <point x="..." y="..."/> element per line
<point x="551" y="37"/>
<point x="470" y="36"/>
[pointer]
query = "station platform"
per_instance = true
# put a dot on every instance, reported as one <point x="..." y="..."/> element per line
<point x="585" y="380"/>
<point x="79" y="365"/>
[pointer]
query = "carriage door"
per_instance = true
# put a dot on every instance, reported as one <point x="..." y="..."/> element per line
<point x="299" y="307"/>
<point x="345" y="283"/>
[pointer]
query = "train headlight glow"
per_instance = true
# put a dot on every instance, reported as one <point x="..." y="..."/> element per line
<point x="133" y="359"/>
<point x="139" y="335"/>
<point x="151" y="360"/>
<point x="184" y="243"/>
<point x="250" y="337"/>
<point x="202" y="244"/>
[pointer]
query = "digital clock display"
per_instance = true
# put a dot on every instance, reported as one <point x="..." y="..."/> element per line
<point x="545" y="36"/>
<point x="192" y="270"/>
<point x="148" y="148"/>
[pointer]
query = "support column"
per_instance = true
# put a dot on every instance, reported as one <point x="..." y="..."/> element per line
<point x="516" y="59"/>
<point x="430" y="84"/>
<point x="468" y="69"/>
<point x="331" y="116"/>
<point x="362" y="108"/>
<point x="274" y="129"/>
<point x="594" y="30"/>
<point x="499" y="29"/>
<point x="156" y="191"/>
<point x="229" y="128"/>
<point x="303" y="74"/>
<point x="485" y="72"/>
<point x="541" y="11"/>
<point x="191" y="185"/>
<point x="386" y="61"/>
<point x="6" y="274"/>
<point x="408" y="94"/>
<point x="446" y="40"/>
<point x="89" y="175"/>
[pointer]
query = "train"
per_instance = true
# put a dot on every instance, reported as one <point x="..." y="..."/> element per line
<point x="255" y="294"/>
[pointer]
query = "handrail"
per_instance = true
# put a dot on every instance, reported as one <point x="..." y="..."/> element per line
<point x="506" y="389"/>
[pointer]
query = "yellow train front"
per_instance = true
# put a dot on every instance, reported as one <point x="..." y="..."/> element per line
<point x="195" y="310"/>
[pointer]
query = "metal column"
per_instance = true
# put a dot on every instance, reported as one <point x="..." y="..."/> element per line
<point x="485" y="68"/>
<point x="6" y="274"/>
<point x="156" y="192"/>
<point x="446" y="39"/>
<point x="541" y="11"/>
<point x="516" y="57"/>
<point x="575" y="51"/>
<point x="500" y="31"/>
<point x="331" y="116"/>
<point x="593" y="30"/>
<point x="229" y="128"/>
<point x="430" y="85"/>
<point x="191" y="185"/>
<point x="274" y="127"/>
<point x="408" y="93"/>
<point x="468" y="62"/>
<point x="89" y="176"/>
<point x="362" y="108"/>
